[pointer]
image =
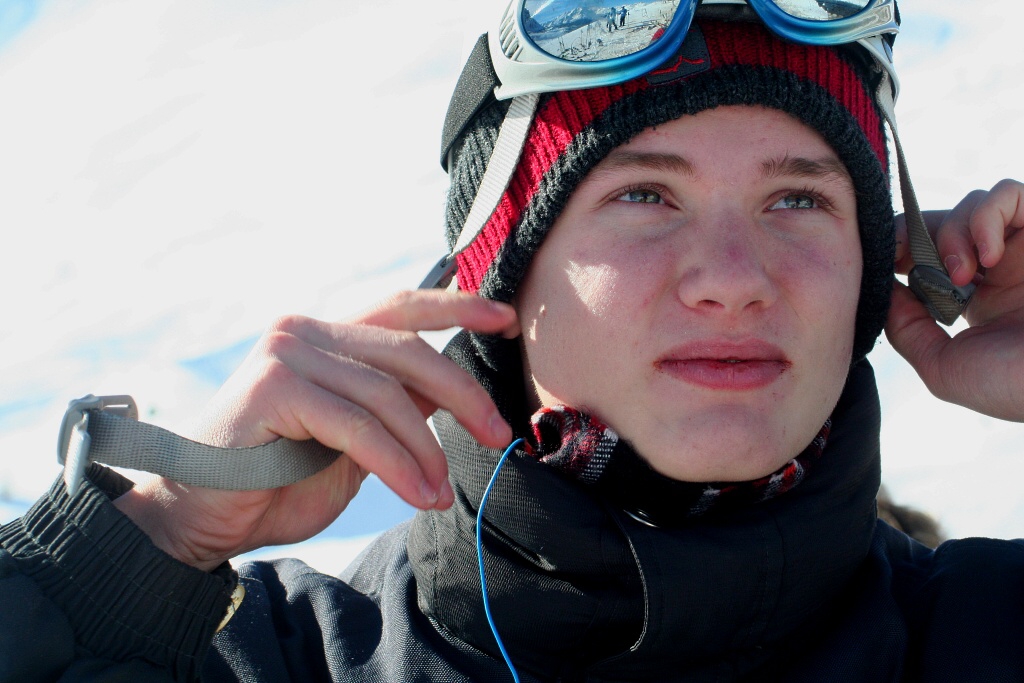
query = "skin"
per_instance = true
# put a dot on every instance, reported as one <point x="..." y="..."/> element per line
<point x="629" y="307"/>
<point x="981" y="367"/>
<point x="364" y="385"/>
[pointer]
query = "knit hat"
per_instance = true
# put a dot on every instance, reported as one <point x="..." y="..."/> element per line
<point x="719" y="64"/>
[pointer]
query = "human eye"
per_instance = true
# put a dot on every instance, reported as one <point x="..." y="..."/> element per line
<point x="804" y="199"/>
<point x="640" y="195"/>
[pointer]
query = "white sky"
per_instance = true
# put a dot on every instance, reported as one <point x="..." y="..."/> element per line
<point x="173" y="175"/>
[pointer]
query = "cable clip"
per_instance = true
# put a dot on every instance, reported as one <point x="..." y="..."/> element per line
<point x="73" y="440"/>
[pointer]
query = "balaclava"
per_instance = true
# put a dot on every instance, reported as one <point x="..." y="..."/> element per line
<point x="719" y="64"/>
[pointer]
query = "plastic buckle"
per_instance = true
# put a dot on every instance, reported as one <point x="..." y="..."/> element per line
<point x="944" y="300"/>
<point x="73" y="440"/>
<point x="441" y="274"/>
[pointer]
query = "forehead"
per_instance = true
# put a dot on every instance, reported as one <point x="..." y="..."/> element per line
<point x="730" y="144"/>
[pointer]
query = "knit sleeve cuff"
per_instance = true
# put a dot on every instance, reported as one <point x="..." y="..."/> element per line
<point x="124" y="598"/>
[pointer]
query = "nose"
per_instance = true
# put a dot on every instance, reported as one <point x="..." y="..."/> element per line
<point x="726" y="267"/>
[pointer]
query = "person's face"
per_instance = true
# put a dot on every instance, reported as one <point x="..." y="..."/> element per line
<point x="698" y="293"/>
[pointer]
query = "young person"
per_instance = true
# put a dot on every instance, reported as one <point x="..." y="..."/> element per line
<point x="671" y="301"/>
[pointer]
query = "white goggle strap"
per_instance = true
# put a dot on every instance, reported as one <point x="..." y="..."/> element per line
<point x="502" y="164"/>
<point x="929" y="279"/>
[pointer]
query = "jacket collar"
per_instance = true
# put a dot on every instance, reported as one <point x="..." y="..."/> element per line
<point x="578" y="585"/>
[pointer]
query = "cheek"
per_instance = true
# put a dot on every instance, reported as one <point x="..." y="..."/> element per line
<point x="827" y="275"/>
<point x="595" y="286"/>
<point x="828" y="285"/>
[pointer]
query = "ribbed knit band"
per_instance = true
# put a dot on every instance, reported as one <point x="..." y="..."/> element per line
<point x="123" y="598"/>
<point x="574" y="130"/>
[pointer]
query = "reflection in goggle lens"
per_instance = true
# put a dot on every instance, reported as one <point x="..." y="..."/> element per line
<point x="593" y="30"/>
<point x="821" y="10"/>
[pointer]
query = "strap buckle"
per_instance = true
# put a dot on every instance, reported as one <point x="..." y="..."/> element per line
<point x="73" y="440"/>
<point x="944" y="300"/>
<point x="441" y="274"/>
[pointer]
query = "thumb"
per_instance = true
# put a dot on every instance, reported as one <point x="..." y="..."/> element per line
<point x="915" y="335"/>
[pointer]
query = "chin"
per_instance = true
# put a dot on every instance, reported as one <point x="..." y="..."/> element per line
<point x="717" y="456"/>
<point x="724" y="441"/>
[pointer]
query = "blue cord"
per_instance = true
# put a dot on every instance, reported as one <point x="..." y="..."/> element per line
<point x="480" y="557"/>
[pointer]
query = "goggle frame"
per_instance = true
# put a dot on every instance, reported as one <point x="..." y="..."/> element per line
<point x="523" y="67"/>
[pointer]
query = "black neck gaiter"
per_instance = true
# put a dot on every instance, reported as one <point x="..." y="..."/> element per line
<point x="580" y="446"/>
<point x="583" y="586"/>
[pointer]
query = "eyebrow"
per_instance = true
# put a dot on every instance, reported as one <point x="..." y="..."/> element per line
<point x="653" y="161"/>
<point x="826" y="168"/>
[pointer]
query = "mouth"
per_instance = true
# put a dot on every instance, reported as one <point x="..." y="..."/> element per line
<point x="726" y="367"/>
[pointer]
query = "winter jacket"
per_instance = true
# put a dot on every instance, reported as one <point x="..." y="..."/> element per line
<point x="806" y="587"/>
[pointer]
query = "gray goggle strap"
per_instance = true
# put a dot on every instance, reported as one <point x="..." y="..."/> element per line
<point x="929" y="279"/>
<point x="500" y="167"/>
<point x="105" y="429"/>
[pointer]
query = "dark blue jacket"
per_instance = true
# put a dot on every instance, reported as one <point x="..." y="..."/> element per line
<point x="807" y="587"/>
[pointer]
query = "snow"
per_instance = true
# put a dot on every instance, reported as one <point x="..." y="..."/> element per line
<point x="595" y="40"/>
<point x="804" y="10"/>
<point x="177" y="174"/>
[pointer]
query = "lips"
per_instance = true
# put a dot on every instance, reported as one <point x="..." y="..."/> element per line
<point x="726" y="366"/>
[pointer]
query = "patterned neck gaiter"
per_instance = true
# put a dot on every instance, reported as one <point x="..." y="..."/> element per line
<point x="579" y="446"/>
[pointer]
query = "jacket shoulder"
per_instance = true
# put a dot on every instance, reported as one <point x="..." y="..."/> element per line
<point x="963" y="604"/>
<point x="363" y="625"/>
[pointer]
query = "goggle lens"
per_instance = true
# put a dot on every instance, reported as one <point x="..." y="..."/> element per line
<point x="590" y="32"/>
<point x="577" y="32"/>
<point x="822" y="10"/>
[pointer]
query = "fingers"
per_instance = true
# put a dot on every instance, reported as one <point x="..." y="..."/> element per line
<point x="374" y="392"/>
<point x="1000" y="212"/>
<point x="365" y="388"/>
<point x="420" y="479"/>
<point x="973" y="234"/>
<point x="420" y="310"/>
<point x="954" y="241"/>
<point x="290" y="405"/>
<point x="950" y="231"/>
<point x="979" y="368"/>
<point x="432" y="379"/>
<point x="915" y="335"/>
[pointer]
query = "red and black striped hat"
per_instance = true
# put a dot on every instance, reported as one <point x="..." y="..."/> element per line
<point x="727" y="63"/>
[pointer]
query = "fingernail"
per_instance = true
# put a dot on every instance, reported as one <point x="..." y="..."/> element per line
<point x="446" y="491"/>
<point x="952" y="264"/>
<point x="498" y="426"/>
<point x="428" y="493"/>
<point x="982" y="251"/>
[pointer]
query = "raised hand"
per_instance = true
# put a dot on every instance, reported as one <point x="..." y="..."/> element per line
<point x="363" y="387"/>
<point x="981" y="367"/>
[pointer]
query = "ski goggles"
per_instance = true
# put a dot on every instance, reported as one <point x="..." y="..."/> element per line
<point x="541" y="46"/>
<point x="551" y="45"/>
